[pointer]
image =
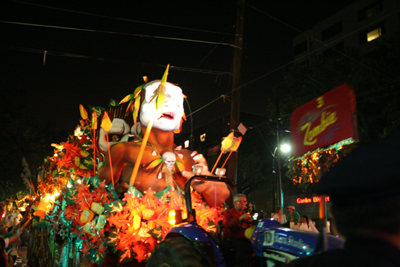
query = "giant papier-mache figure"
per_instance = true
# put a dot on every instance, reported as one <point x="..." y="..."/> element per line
<point x="158" y="105"/>
<point x="122" y="217"/>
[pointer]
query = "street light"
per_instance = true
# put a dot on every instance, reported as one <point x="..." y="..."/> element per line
<point x="285" y="148"/>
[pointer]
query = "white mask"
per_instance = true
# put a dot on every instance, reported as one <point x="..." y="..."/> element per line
<point x="173" y="109"/>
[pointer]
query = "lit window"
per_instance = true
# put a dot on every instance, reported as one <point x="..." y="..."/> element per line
<point x="374" y="34"/>
<point x="203" y="137"/>
<point x="186" y="143"/>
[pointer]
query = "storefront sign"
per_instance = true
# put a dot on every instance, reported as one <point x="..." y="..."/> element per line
<point x="314" y="199"/>
<point x="325" y="120"/>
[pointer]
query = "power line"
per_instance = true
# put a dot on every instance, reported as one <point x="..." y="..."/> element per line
<point x="197" y="70"/>
<point x="116" y="18"/>
<point x="63" y="54"/>
<point x="53" y="53"/>
<point x="112" y="32"/>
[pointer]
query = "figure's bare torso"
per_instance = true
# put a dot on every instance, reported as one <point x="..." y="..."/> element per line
<point x="123" y="158"/>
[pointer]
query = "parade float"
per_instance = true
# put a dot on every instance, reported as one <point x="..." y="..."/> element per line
<point x="113" y="189"/>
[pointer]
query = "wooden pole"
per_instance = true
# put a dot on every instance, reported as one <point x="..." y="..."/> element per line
<point x="141" y="151"/>
<point x="215" y="165"/>
<point x="109" y="158"/>
<point x="230" y="153"/>
<point x="94" y="151"/>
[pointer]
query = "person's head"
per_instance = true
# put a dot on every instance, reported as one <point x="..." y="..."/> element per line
<point x="252" y="205"/>
<point x="364" y="190"/>
<point x="303" y="219"/>
<point x="279" y="210"/>
<point x="291" y="209"/>
<point x="171" y="116"/>
<point x="240" y="202"/>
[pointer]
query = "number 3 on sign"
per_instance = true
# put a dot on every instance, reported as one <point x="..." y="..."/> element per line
<point x="320" y="101"/>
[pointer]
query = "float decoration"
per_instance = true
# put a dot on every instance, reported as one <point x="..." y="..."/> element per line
<point x="308" y="168"/>
<point x="229" y="144"/>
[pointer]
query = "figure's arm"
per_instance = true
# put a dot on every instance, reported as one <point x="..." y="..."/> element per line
<point x="117" y="154"/>
<point x="215" y="193"/>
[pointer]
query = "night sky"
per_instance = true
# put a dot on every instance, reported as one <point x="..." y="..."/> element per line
<point x="95" y="53"/>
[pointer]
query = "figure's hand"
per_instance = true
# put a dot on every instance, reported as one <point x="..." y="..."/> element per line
<point x="200" y="161"/>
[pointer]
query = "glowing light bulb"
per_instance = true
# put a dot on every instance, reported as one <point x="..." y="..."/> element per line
<point x="285" y="148"/>
<point x="171" y="217"/>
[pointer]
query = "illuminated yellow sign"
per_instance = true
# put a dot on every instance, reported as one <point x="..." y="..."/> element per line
<point x="310" y="137"/>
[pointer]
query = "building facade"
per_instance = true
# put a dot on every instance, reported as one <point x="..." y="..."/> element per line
<point x="359" y="25"/>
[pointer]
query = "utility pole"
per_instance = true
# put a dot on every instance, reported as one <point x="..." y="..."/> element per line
<point x="237" y="69"/>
